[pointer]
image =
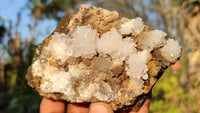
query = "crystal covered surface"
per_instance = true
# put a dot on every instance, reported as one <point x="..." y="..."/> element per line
<point x="102" y="57"/>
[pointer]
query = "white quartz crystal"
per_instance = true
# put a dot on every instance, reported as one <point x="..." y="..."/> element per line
<point x="152" y="39"/>
<point x="98" y="91"/>
<point x="58" y="47"/>
<point x="84" y="41"/>
<point x="137" y="67"/>
<point x="38" y="69"/>
<point x="171" y="51"/>
<point x="53" y="78"/>
<point x="126" y="47"/>
<point x="112" y="43"/>
<point x="109" y="42"/>
<point x="134" y="27"/>
<point x="136" y="84"/>
<point x="88" y="92"/>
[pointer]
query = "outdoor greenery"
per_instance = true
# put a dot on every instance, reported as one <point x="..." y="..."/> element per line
<point x="178" y="89"/>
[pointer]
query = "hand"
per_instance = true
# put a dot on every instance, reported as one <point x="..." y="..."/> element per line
<point x="54" y="106"/>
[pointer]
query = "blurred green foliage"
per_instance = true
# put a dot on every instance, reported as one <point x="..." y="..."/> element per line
<point x="175" y="92"/>
<point x="20" y="101"/>
<point x="16" y="96"/>
<point x="169" y="96"/>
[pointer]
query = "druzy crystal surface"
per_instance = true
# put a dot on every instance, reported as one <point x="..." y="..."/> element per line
<point x="97" y="56"/>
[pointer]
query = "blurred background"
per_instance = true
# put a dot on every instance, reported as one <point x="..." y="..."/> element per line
<point x="25" y="23"/>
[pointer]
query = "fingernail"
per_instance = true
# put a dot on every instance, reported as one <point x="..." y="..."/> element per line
<point x="97" y="108"/>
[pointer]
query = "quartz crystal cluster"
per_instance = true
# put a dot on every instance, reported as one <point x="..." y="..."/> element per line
<point x="97" y="56"/>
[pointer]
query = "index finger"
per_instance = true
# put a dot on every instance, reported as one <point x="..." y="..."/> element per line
<point x="52" y="106"/>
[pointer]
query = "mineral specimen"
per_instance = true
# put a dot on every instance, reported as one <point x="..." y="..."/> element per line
<point x="96" y="56"/>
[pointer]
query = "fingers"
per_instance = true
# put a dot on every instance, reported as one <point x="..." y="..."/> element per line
<point x="100" y="107"/>
<point x="77" y="108"/>
<point x="52" y="106"/>
<point x="145" y="106"/>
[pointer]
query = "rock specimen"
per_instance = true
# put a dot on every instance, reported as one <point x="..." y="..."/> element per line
<point x="96" y="56"/>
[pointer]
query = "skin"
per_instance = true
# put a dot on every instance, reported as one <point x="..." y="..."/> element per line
<point x="55" y="106"/>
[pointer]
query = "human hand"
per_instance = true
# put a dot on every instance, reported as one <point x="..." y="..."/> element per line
<point x="54" y="106"/>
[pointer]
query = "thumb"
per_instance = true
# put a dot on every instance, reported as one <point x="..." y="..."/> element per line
<point x="100" y="107"/>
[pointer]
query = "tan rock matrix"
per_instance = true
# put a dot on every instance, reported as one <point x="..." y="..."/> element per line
<point x="97" y="56"/>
